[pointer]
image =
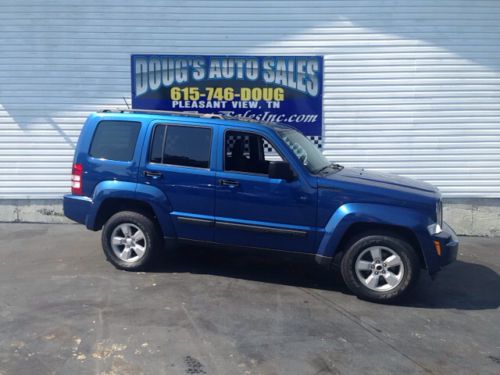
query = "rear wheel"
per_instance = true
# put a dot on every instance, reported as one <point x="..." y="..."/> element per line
<point x="380" y="267"/>
<point x="130" y="241"/>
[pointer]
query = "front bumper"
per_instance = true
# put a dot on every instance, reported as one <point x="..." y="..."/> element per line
<point x="449" y="243"/>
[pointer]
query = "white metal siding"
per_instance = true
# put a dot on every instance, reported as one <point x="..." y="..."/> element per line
<point x="411" y="87"/>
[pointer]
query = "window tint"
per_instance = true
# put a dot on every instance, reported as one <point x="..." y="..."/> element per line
<point x="184" y="145"/>
<point x="115" y="140"/>
<point x="248" y="152"/>
<point x="157" y="144"/>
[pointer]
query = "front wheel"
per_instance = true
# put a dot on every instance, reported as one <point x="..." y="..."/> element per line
<point x="380" y="267"/>
<point x="130" y="241"/>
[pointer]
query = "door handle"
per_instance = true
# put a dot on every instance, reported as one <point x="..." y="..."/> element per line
<point x="152" y="174"/>
<point x="230" y="183"/>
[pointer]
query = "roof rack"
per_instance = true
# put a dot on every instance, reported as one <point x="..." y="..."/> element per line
<point x="189" y="114"/>
<point x="176" y="113"/>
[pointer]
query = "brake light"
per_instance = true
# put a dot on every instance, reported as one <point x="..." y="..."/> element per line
<point x="76" y="179"/>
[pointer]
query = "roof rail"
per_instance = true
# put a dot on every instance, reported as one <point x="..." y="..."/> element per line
<point x="176" y="113"/>
<point x="189" y="114"/>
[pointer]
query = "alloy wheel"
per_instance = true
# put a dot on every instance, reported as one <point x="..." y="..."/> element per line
<point x="128" y="242"/>
<point x="379" y="268"/>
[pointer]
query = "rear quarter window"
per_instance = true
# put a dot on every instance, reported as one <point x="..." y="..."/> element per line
<point x="115" y="140"/>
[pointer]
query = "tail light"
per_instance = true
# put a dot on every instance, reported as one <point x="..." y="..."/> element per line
<point x="76" y="179"/>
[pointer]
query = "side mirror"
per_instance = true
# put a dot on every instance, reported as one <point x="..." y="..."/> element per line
<point x="282" y="170"/>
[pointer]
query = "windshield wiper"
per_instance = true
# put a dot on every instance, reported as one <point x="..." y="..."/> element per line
<point x="322" y="169"/>
<point x="332" y="165"/>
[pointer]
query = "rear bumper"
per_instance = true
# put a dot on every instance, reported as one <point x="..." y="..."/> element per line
<point x="77" y="208"/>
<point x="449" y="243"/>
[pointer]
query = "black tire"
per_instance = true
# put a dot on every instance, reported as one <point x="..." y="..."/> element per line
<point x="151" y="240"/>
<point x="359" y="245"/>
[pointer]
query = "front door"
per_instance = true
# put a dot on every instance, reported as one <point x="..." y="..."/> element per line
<point x="178" y="164"/>
<point x="254" y="210"/>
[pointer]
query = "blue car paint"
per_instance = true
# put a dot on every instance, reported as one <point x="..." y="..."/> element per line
<point x="109" y="189"/>
<point x="323" y="207"/>
<point x="348" y="214"/>
<point x="190" y="190"/>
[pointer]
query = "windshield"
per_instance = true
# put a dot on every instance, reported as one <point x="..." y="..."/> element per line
<point x="305" y="150"/>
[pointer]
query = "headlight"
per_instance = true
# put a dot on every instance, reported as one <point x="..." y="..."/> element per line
<point x="439" y="213"/>
<point x="436" y="228"/>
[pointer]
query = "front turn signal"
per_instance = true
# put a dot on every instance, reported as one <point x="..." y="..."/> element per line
<point x="437" y="246"/>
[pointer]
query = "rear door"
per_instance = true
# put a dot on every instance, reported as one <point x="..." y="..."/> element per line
<point x="179" y="164"/>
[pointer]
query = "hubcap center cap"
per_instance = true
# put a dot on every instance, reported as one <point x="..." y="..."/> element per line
<point x="128" y="241"/>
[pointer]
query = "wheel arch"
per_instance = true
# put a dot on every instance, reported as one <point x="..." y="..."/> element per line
<point x="111" y="206"/>
<point x="353" y="218"/>
<point x="141" y="198"/>
<point x="366" y="228"/>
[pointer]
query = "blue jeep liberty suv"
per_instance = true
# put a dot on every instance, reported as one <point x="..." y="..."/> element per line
<point x="145" y="177"/>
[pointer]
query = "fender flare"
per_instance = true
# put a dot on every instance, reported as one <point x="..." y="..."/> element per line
<point x="353" y="213"/>
<point x="140" y="192"/>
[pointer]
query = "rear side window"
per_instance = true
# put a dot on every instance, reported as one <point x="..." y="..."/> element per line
<point x="181" y="145"/>
<point x="115" y="140"/>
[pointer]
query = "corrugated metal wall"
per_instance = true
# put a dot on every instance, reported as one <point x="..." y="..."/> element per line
<point x="411" y="87"/>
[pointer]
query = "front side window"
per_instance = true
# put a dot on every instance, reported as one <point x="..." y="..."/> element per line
<point x="305" y="150"/>
<point x="181" y="145"/>
<point x="248" y="153"/>
<point x="115" y="140"/>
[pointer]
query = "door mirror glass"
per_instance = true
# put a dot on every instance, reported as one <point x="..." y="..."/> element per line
<point x="282" y="170"/>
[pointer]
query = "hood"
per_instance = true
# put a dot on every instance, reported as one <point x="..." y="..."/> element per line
<point x="385" y="180"/>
